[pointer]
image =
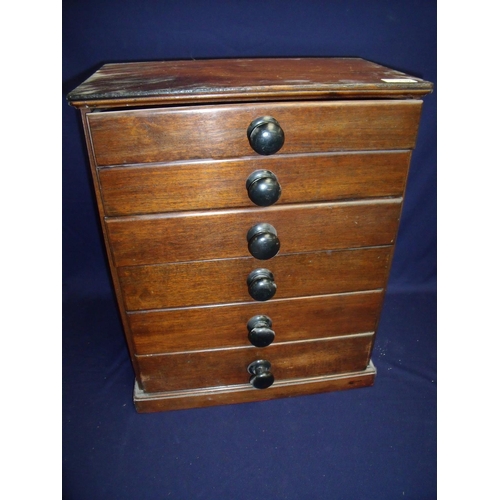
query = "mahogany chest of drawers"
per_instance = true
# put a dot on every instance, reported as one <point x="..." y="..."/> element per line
<point x="249" y="210"/>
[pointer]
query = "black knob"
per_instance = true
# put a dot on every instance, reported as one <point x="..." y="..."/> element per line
<point x="263" y="188"/>
<point x="259" y="330"/>
<point x="261" y="285"/>
<point x="265" y="135"/>
<point x="261" y="378"/>
<point x="263" y="242"/>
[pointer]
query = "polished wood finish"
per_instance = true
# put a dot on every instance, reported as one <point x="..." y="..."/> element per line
<point x="145" y="189"/>
<point x="224" y="325"/>
<point x="159" y="135"/>
<point x="223" y="367"/>
<point x="170" y="159"/>
<point x="178" y="237"/>
<point x="224" y="281"/>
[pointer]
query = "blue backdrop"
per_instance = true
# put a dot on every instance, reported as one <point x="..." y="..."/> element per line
<point x="373" y="443"/>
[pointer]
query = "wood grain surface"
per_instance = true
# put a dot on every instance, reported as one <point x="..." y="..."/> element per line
<point x="219" y="80"/>
<point x="216" y="132"/>
<point x="189" y="329"/>
<point x="185" y="236"/>
<point x="224" y="281"/>
<point x="223" y="367"/>
<point x="221" y="184"/>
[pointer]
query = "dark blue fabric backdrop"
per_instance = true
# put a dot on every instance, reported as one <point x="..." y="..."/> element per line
<point x="376" y="443"/>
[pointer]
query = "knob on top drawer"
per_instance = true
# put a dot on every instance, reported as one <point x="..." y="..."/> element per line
<point x="265" y="135"/>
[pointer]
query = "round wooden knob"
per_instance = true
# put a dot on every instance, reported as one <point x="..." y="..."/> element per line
<point x="259" y="330"/>
<point x="263" y="242"/>
<point x="265" y="135"/>
<point x="261" y="285"/>
<point x="261" y="378"/>
<point x="263" y="188"/>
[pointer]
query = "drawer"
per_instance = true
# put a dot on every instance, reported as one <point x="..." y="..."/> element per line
<point x="225" y="367"/>
<point x="201" y="328"/>
<point x="217" y="132"/>
<point x="225" y="281"/>
<point x="221" y="184"/>
<point x="182" y="236"/>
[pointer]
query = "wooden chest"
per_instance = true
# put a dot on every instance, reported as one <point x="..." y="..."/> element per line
<point x="249" y="210"/>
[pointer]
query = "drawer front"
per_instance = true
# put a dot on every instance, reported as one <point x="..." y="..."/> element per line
<point x="214" y="368"/>
<point x="221" y="184"/>
<point x="225" y="281"/>
<point x="216" y="132"/>
<point x="191" y="329"/>
<point x="182" y="237"/>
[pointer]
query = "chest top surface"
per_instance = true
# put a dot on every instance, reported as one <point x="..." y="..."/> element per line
<point x="223" y="80"/>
